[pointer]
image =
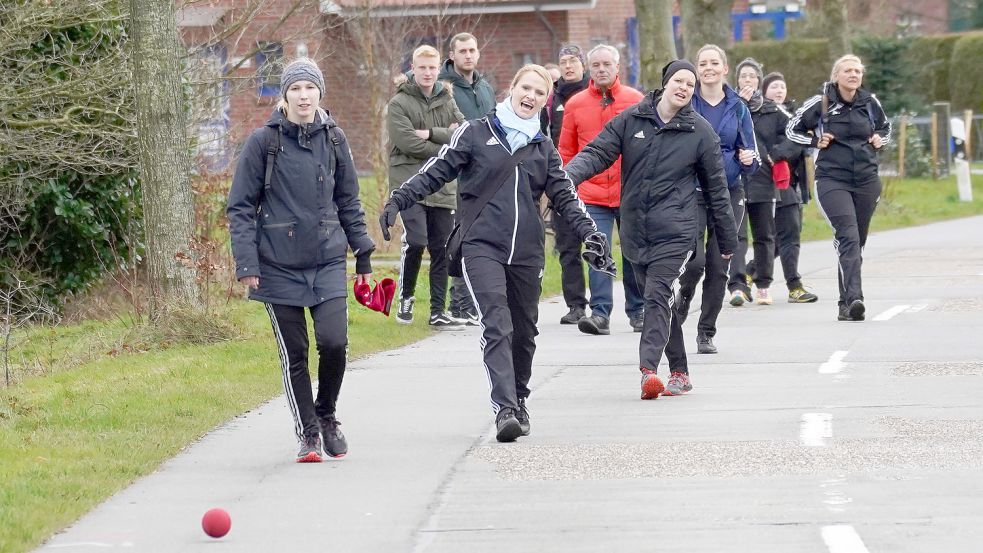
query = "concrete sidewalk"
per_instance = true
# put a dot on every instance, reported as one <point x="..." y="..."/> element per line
<point x="803" y="434"/>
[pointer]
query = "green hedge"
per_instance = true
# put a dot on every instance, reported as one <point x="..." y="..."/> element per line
<point x="966" y="78"/>
<point x="929" y="58"/>
<point x="804" y="62"/>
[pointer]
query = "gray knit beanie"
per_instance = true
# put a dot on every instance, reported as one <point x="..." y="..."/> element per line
<point x="301" y="69"/>
<point x="753" y="63"/>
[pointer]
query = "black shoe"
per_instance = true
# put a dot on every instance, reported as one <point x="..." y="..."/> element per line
<point x="637" y="321"/>
<point x="404" y="310"/>
<point x="595" y="324"/>
<point x="682" y="307"/>
<point x="468" y="318"/>
<point x="844" y="314"/>
<point x="444" y="321"/>
<point x="335" y="444"/>
<point x="522" y="415"/>
<point x="571" y="318"/>
<point x="508" y="427"/>
<point x="310" y="450"/>
<point x="856" y="310"/>
<point x="704" y="344"/>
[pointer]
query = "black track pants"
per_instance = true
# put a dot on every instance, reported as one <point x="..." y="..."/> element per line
<point x="849" y="209"/>
<point x="571" y="266"/>
<point x="788" y="229"/>
<point x="762" y="217"/>
<point x="425" y="227"/>
<point x="507" y="300"/>
<point x="662" y="331"/>
<point x="331" y="338"/>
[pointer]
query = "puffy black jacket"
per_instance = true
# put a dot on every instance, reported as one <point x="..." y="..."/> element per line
<point x="658" y="168"/>
<point x="850" y="157"/>
<point x="509" y="229"/>
<point x="307" y="218"/>
<point x="769" y="126"/>
<point x="551" y="118"/>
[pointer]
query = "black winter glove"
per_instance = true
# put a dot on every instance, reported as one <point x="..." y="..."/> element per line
<point x="597" y="253"/>
<point x="388" y="218"/>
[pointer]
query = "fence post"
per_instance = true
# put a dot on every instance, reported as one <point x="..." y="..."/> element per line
<point x="935" y="145"/>
<point x="944" y="130"/>
<point x="902" y="143"/>
<point x="968" y="117"/>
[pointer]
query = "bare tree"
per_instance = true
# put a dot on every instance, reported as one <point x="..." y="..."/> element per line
<point x="705" y="22"/>
<point x="165" y="162"/>
<point x="20" y="305"/>
<point x="655" y="39"/>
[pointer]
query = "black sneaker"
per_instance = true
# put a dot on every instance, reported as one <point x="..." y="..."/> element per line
<point x="335" y="444"/>
<point x="444" y="321"/>
<point x="637" y="321"/>
<point x="508" y="427"/>
<point x="704" y="344"/>
<point x="595" y="324"/>
<point x="682" y="307"/>
<point x="469" y="318"/>
<point x="853" y="312"/>
<point x="404" y="312"/>
<point x="522" y="415"/>
<point x="310" y="450"/>
<point x="571" y="318"/>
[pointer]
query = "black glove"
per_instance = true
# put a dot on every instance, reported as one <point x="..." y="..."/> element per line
<point x="388" y="218"/>
<point x="597" y="253"/>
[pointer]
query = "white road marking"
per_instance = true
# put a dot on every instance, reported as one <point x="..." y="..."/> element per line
<point x="815" y="429"/>
<point x="842" y="538"/>
<point x="917" y="308"/>
<point x="892" y="312"/>
<point x="835" y="363"/>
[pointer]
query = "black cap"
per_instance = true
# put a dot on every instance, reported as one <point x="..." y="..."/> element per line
<point x="672" y="67"/>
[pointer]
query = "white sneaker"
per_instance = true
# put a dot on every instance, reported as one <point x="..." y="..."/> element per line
<point x="738" y="297"/>
<point x="762" y="297"/>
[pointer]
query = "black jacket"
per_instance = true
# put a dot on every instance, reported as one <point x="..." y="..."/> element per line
<point x="658" y="168"/>
<point x="474" y="99"/>
<point x="509" y="229"/>
<point x="295" y="235"/>
<point x="850" y="158"/>
<point x="769" y="126"/>
<point x="551" y="118"/>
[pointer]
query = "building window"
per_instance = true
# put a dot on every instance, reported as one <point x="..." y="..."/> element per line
<point x="269" y="65"/>
<point x="520" y="59"/>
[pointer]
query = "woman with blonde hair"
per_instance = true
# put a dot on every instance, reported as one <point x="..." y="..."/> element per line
<point x="503" y="164"/>
<point x="848" y="125"/>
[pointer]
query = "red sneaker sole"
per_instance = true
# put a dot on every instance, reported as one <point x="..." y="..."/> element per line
<point x="652" y="387"/>
<point x="310" y="458"/>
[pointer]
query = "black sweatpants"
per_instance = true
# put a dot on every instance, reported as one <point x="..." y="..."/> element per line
<point x="738" y="264"/>
<point x="762" y="217"/>
<point x="707" y="260"/>
<point x="662" y="330"/>
<point x="571" y="266"/>
<point x="788" y="230"/>
<point x="849" y="208"/>
<point x="331" y="338"/>
<point x="425" y="227"/>
<point x="507" y="300"/>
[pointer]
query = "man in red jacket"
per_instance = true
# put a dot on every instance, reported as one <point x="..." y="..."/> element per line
<point x="585" y="115"/>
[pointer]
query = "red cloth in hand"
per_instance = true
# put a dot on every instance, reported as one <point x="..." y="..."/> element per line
<point x="378" y="297"/>
<point x="781" y="174"/>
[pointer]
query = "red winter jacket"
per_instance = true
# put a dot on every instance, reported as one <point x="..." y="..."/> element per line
<point x="585" y="114"/>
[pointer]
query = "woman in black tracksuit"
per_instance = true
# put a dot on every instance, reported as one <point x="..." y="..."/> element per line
<point x="293" y="212"/>
<point x="502" y="251"/>
<point x="848" y="126"/>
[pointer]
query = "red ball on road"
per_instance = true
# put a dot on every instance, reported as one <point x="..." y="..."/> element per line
<point x="216" y="522"/>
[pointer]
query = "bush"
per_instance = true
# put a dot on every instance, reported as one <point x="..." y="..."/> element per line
<point x="884" y="76"/>
<point x="804" y="62"/>
<point x="929" y="58"/>
<point x="966" y="84"/>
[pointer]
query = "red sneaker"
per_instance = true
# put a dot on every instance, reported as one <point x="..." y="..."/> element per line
<point x="678" y="384"/>
<point x="651" y="384"/>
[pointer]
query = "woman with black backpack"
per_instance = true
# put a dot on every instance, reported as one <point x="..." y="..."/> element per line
<point x="848" y="125"/>
<point x="503" y="164"/>
<point x="293" y="212"/>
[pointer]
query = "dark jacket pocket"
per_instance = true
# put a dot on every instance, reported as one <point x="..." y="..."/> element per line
<point x="332" y="243"/>
<point x="280" y="244"/>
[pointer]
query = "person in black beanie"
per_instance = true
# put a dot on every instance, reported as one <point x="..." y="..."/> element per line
<point x="293" y="213"/>
<point x="664" y="147"/>
<point x="573" y="79"/>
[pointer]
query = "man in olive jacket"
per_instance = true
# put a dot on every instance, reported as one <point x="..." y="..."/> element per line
<point x="420" y="118"/>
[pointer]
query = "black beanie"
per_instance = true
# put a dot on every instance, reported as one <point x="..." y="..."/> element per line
<point x="672" y="67"/>
<point x="770" y="78"/>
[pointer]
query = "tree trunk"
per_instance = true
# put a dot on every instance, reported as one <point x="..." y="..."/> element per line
<point x="835" y="27"/>
<point x="655" y="39"/>
<point x="704" y="22"/>
<point x="164" y="156"/>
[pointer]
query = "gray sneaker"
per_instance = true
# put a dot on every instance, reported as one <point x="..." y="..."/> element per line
<point x="595" y="324"/>
<point x="335" y="444"/>
<point x="310" y="450"/>
<point x="404" y="312"/>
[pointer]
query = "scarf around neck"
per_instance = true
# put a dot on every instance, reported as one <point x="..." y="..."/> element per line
<point x="518" y="131"/>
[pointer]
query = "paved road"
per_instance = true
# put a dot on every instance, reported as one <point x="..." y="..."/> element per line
<point x="803" y="434"/>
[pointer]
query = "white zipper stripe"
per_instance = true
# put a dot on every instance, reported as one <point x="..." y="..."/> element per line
<point x="515" y="200"/>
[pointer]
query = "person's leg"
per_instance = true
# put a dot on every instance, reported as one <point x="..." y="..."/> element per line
<point x="836" y="203"/>
<point x="660" y="318"/>
<point x="440" y="222"/>
<point x="571" y="265"/>
<point x="290" y="330"/>
<point x="714" y="287"/>
<point x="762" y="217"/>
<point x="865" y="199"/>
<point x="411" y="257"/>
<point x="694" y="267"/>
<point x="524" y="286"/>
<point x="331" y="337"/>
<point x="737" y="279"/>
<point x="601" y="285"/>
<point x="487" y="281"/>
<point x="634" y="300"/>
<point x="787" y="225"/>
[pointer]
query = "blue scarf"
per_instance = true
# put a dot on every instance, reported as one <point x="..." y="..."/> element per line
<point x="518" y="131"/>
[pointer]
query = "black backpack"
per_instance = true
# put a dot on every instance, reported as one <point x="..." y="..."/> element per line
<point x="271" y="140"/>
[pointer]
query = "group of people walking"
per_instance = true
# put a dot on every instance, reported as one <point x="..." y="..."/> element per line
<point x="681" y="172"/>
